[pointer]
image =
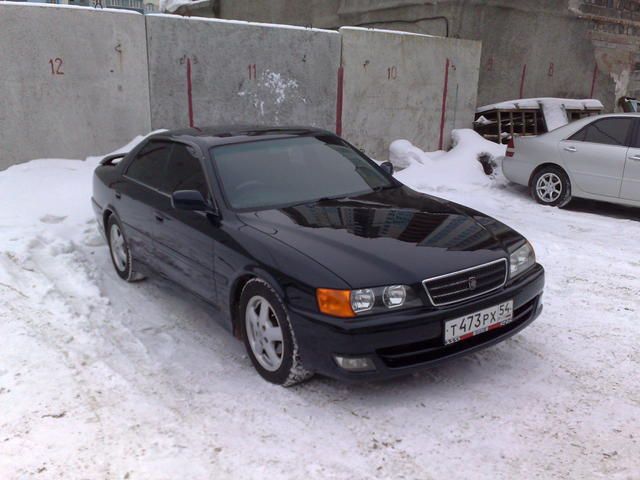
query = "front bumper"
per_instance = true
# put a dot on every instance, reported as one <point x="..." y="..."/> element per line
<point x="401" y="342"/>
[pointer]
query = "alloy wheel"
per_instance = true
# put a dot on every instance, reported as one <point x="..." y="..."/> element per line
<point x="549" y="187"/>
<point x="118" y="248"/>
<point x="264" y="333"/>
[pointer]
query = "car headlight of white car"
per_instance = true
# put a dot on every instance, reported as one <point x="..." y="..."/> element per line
<point x="521" y="260"/>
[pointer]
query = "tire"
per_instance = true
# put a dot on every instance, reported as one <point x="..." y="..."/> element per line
<point x="269" y="338"/>
<point x="551" y="186"/>
<point x="120" y="252"/>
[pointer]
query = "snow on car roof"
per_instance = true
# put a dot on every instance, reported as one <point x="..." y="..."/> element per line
<point x="571" y="103"/>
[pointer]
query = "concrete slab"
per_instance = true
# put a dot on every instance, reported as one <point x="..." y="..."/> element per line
<point x="207" y="72"/>
<point x="396" y="84"/>
<point x="74" y="81"/>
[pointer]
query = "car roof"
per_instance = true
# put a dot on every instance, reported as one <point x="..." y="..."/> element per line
<point x="212" y="136"/>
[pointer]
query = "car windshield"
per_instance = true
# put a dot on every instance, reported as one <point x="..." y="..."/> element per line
<point x="277" y="173"/>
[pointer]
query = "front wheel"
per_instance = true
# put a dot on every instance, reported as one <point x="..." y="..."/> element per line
<point x="268" y="335"/>
<point x="551" y="186"/>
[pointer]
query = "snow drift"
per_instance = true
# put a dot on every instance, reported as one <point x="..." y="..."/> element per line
<point x="459" y="167"/>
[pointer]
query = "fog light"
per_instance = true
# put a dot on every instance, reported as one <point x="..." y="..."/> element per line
<point x="355" y="364"/>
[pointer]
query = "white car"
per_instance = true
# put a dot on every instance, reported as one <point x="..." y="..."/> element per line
<point x="595" y="157"/>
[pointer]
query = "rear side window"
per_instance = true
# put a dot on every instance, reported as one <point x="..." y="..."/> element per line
<point x="149" y="164"/>
<point x="184" y="172"/>
<point x="609" y="131"/>
<point x="635" y="139"/>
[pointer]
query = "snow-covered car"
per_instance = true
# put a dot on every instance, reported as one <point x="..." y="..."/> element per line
<point x="596" y="158"/>
<point x="318" y="258"/>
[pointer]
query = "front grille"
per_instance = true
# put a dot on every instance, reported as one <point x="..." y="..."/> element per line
<point x="412" y="354"/>
<point x="465" y="284"/>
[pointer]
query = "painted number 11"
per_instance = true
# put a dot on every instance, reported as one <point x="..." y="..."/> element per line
<point x="252" y="71"/>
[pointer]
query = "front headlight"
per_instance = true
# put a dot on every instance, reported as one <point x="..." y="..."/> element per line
<point x="521" y="260"/>
<point x="349" y="303"/>
<point x="394" y="296"/>
<point x="362" y="300"/>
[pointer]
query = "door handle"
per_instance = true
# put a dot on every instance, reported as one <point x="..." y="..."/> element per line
<point x="635" y="157"/>
<point x="118" y="195"/>
<point x="571" y="149"/>
<point x="159" y="218"/>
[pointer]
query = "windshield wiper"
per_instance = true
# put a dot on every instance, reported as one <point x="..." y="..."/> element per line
<point x="383" y="187"/>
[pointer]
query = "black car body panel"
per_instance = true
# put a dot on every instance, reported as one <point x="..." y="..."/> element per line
<point x="402" y="342"/>
<point x="390" y="236"/>
<point x="395" y="233"/>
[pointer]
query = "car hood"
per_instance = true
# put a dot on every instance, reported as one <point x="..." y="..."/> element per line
<point x="387" y="237"/>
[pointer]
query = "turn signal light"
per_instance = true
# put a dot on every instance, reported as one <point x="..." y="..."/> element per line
<point x="335" y="302"/>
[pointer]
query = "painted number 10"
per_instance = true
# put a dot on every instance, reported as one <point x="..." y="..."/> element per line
<point x="392" y="73"/>
<point x="56" y="66"/>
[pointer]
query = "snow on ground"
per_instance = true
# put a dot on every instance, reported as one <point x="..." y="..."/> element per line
<point x="104" y="379"/>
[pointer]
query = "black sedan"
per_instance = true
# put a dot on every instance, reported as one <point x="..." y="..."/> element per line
<point x="316" y="257"/>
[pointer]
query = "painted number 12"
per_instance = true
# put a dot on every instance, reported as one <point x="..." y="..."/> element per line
<point x="56" y="66"/>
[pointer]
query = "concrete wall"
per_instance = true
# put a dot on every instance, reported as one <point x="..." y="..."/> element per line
<point x="565" y="44"/>
<point x="394" y="85"/>
<point x="80" y="81"/>
<point x="74" y="81"/>
<point x="240" y="73"/>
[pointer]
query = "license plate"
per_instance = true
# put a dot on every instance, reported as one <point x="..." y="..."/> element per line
<point x="479" y="322"/>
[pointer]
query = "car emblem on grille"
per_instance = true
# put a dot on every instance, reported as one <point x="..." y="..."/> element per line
<point x="473" y="283"/>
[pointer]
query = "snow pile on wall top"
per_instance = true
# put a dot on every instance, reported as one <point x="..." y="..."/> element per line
<point x="180" y="3"/>
<point x="69" y="7"/>
<point x="459" y="167"/>
<point x="395" y="32"/>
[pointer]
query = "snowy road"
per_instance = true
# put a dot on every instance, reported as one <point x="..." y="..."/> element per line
<point x="100" y="379"/>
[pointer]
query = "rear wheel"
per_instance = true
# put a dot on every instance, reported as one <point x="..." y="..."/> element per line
<point x="551" y="186"/>
<point x="120" y="251"/>
<point x="268" y="335"/>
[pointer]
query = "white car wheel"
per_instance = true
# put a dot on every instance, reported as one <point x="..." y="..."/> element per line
<point x="551" y="186"/>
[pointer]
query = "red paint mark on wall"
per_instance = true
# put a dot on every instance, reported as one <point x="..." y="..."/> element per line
<point x="340" y="94"/>
<point x="443" y="115"/>
<point x="522" y="79"/>
<point x="593" y="80"/>
<point x="189" y="93"/>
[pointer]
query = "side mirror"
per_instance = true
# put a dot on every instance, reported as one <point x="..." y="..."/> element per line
<point x="387" y="167"/>
<point x="189" y="200"/>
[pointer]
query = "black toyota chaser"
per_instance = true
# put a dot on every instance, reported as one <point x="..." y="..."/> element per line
<point x="315" y="256"/>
